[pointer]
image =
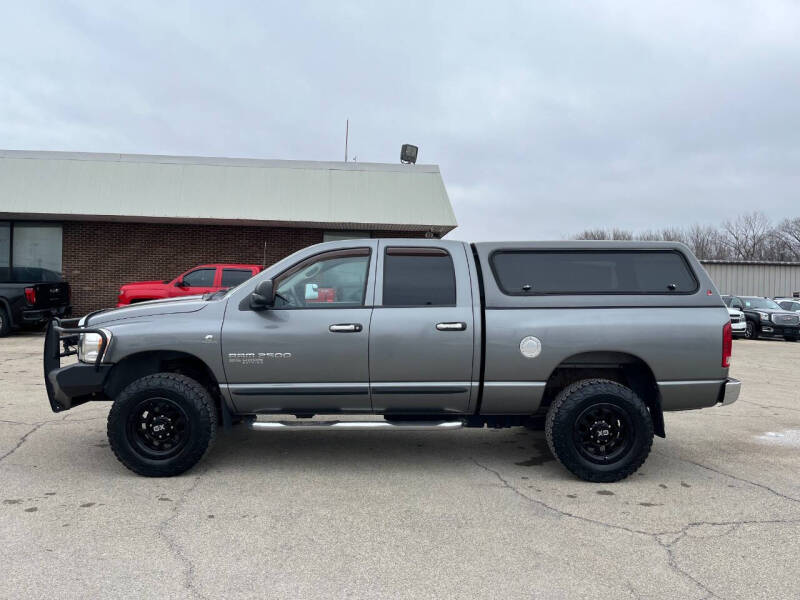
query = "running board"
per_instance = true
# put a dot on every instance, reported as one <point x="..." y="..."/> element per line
<point x="355" y="425"/>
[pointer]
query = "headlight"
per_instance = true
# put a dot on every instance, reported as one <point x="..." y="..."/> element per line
<point x="764" y="316"/>
<point x="90" y="344"/>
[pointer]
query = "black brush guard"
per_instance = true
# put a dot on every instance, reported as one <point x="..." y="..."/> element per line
<point x="61" y="339"/>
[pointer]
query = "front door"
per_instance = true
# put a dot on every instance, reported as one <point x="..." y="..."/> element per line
<point x="421" y="338"/>
<point x="199" y="281"/>
<point x="307" y="354"/>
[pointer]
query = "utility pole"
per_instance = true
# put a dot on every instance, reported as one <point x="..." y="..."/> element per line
<point x="346" y="136"/>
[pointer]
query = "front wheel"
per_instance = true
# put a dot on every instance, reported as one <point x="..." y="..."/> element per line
<point x="599" y="430"/>
<point x="751" y="331"/>
<point x="161" y="425"/>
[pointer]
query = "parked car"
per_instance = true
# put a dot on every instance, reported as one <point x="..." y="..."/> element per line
<point x="738" y="322"/>
<point x="430" y="334"/>
<point x="199" y="280"/>
<point x="30" y="296"/>
<point x="764" y="317"/>
<point x="790" y="304"/>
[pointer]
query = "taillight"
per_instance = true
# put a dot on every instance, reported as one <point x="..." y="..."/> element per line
<point x="30" y="295"/>
<point x="727" y="344"/>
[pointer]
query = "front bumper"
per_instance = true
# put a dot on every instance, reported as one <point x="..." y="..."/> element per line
<point x="77" y="383"/>
<point x="729" y="392"/>
<point x="739" y="327"/>
<point x="779" y="330"/>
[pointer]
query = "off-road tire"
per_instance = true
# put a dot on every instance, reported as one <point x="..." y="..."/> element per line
<point x="751" y="331"/>
<point x="572" y="402"/>
<point x="5" y="324"/>
<point x="187" y="394"/>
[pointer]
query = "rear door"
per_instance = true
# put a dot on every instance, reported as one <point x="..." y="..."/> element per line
<point x="421" y="337"/>
<point x="309" y="353"/>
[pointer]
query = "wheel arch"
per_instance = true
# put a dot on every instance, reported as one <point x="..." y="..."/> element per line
<point x="623" y="367"/>
<point x="140" y="364"/>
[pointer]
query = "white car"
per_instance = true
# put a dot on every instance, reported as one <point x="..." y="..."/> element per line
<point x="790" y="304"/>
<point x="738" y="322"/>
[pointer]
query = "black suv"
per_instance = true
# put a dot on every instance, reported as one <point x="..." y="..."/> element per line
<point x="765" y="317"/>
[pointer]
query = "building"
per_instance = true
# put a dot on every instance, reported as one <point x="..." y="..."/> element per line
<point x="750" y="278"/>
<point x="108" y="219"/>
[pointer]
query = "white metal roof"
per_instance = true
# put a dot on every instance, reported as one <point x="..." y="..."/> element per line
<point x="135" y="187"/>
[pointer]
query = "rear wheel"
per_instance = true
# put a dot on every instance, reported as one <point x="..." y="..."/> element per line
<point x="599" y="430"/>
<point x="162" y="425"/>
<point x="5" y="325"/>
<point x="751" y="331"/>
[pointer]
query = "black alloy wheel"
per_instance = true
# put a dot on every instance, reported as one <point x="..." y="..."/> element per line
<point x="158" y="427"/>
<point x="603" y="432"/>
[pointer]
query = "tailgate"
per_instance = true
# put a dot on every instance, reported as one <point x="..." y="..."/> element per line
<point x="51" y="294"/>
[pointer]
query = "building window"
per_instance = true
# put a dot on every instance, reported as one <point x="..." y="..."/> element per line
<point x="5" y="250"/>
<point x="30" y="252"/>
<point x="335" y="236"/>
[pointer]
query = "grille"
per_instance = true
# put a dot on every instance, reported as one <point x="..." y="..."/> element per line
<point x="785" y="319"/>
<point x="736" y="319"/>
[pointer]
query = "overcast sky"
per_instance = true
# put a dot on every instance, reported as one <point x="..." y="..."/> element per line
<point x="545" y="117"/>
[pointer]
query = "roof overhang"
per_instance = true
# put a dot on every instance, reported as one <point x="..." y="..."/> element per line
<point x="179" y="189"/>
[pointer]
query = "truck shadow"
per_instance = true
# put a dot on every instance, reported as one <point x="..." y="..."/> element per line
<point x="401" y="451"/>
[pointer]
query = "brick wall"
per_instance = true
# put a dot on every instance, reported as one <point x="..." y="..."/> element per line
<point x="98" y="257"/>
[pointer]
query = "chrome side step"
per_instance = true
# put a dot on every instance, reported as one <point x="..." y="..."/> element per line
<point x="355" y="425"/>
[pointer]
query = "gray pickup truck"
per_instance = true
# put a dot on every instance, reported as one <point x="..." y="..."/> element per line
<point x="591" y="341"/>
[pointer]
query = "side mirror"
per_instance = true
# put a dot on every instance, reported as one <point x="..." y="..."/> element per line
<point x="181" y="283"/>
<point x="263" y="296"/>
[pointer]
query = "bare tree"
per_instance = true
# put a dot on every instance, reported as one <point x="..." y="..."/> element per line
<point x="789" y="231"/>
<point x="604" y="234"/>
<point x="747" y="236"/>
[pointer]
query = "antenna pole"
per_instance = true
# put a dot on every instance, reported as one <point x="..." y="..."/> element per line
<point x="346" y="136"/>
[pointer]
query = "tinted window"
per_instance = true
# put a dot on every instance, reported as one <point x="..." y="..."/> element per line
<point x="233" y="277"/>
<point x="592" y="272"/>
<point x="418" y="277"/>
<point x="200" y="278"/>
<point x="333" y="279"/>
<point x="736" y="303"/>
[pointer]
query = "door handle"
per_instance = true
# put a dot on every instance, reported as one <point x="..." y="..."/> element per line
<point x="451" y="326"/>
<point x="346" y="328"/>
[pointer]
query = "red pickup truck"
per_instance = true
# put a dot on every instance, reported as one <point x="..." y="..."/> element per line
<point x="199" y="280"/>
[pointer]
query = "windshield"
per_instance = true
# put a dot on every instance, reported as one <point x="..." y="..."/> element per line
<point x="760" y="303"/>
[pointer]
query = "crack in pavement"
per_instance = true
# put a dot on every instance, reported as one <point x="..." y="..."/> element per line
<point x="671" y="560"/>
<point x="734" y="477"/>
<point x="21" y="441"/>
<point x="770" y="406"/>
<point x="175" y="547"/>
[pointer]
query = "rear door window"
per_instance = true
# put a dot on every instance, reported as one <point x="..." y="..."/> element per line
<point x="418" y="277"/>
<point x="233" y="277"/>
<point x="592" y="272"/>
